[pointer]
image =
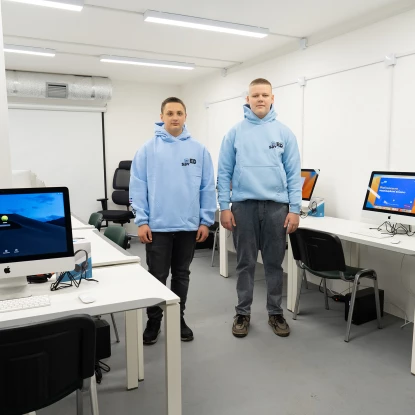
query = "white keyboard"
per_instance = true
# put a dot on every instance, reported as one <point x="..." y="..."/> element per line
<point x="372" y="233"/>
<point x="23" y="303"/>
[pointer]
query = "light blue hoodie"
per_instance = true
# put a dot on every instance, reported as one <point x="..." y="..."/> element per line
<point x="261" y="158"/>
<point x="172" y="186"/>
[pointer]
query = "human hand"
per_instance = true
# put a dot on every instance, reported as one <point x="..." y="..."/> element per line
<point x="292" y="221"/>
<point x="145" y="235"/>
<point x="227" y="219"/>
<point x="202" y="233"/>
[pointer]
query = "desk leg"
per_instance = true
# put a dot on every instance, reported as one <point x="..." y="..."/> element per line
<point x="133" y="338"/>
<point x="355" y="255"/>
<point x="294" y="278"/>
<point x="140" y="348"/>
<point x="173" y="359"/>
<point x="223" y="252"/>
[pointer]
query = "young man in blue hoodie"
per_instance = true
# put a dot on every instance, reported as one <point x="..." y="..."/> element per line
<point x="260" y="156"/>
<point x="173" y="196"/>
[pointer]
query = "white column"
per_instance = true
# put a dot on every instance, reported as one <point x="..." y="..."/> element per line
<point x="5" y="164"/>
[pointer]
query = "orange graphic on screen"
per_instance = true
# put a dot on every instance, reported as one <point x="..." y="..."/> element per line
<point x="375" y="187"/>
<point x="309" y="178"/>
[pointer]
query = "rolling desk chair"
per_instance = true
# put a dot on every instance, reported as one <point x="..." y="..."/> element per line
<point x="120" y="196"/>
<point x="44" y="362"/>
<point x="321" y="254"/>
<point x="96" y="220"/>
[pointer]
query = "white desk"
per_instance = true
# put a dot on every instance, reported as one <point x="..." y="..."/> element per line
<point x="78" y="224"/>
<point x="120" y="288"/>
<point x="342" y="228"/>
<point x="104" y="252"/>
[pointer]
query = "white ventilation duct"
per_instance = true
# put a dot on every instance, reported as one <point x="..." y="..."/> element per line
<point x="43" y="85"/>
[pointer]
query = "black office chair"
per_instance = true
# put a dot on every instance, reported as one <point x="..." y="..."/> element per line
<point x="42" y="363"/>
<point x="321" y="254"/>
<point x="120" y="196"/>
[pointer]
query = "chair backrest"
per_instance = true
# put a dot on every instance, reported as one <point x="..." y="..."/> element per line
<point x="121" y="197"/>
<point x="121" y="180"/>
<point x="318" y="251"/>
<point x="118" y="235"/>
<point x="42" y="363"/>
<point x="96" y="220"/>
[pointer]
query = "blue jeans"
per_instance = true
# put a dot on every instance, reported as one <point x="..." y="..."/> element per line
<point x="259" y="226"/>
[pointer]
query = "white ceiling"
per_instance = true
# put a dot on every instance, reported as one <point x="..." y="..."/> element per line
<point x="116" y="27"/>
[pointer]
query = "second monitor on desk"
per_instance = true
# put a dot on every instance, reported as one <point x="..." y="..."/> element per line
<point x="309" y="179"/>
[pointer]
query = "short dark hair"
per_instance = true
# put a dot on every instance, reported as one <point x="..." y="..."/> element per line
<point x="172" y="99"/>
<point x="260" y="81"/>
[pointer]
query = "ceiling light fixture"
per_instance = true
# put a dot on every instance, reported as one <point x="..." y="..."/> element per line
<point x="29" y="50"/>
<point x="204" y="24"/>
<point x="73" y="5"/>
<point x="146" y="62"/>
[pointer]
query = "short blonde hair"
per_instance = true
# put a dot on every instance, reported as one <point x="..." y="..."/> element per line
<point x="260" y="81"/>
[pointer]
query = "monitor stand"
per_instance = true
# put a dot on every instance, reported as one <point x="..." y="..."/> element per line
<point x="12" y="288"/>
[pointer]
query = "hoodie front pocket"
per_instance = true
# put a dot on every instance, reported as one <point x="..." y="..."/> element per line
<point x="263" y="181"/>
<point x="193" y="211"/>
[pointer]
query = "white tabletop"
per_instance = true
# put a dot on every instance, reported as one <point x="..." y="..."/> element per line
<point x="120" y="288"/>
<point x="104" y="252"/>
<point x="343" y="229"/>
<point x="78" y="224"/>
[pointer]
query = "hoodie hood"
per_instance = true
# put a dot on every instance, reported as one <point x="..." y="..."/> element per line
<point x="251" y="117"/>
<point x="161" y="132"/>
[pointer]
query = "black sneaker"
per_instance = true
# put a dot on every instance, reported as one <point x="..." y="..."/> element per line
<point x="186" y="333"/>
<point x="152" y="331"/>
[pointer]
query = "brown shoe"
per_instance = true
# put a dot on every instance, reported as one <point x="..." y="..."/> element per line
<point x="279" y="325"/>
<point x="240" y="325"/>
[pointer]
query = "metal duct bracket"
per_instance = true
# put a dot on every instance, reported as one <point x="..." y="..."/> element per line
<point x="71" y="87"/>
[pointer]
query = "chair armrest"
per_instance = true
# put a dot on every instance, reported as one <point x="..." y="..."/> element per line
<point x="104" y="203"/>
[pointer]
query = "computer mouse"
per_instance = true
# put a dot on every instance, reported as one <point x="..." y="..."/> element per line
<point x="396" y="241"/>
<point x="87" y="298"/>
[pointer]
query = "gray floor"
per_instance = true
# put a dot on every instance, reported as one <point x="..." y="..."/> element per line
<point x="311" y="372"/>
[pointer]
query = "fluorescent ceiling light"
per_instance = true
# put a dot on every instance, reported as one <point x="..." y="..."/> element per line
<point x="74" y="5"/>
<point x="204" y="24"/>
<point x="28" y="50"/>
<point x="146" y="62"/>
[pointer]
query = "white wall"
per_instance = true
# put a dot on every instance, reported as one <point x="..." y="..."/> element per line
<point x="354" y="115"/>
<point x="63" y="148"/>
<point x="5" y="166"/>
<point x="129" y="123"/>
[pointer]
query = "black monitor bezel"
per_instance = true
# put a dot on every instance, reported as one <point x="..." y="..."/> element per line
<point x="388" y="212"/>
<point x="68" y="224"/>
<point x="315" y="182"/>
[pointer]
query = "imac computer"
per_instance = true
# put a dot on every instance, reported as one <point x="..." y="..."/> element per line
<point x="390" y="197"/>
<point x="309" y="179"/>
<point x="35" y="236"/>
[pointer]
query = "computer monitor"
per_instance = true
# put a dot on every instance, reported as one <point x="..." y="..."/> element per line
<point x="390" y="196"/>
<point x="309" y="179"/>
<point x="35" y="236"/>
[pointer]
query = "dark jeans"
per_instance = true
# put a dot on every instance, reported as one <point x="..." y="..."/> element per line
<point x="259" y="226"/>
<point x="173" y="250"/>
